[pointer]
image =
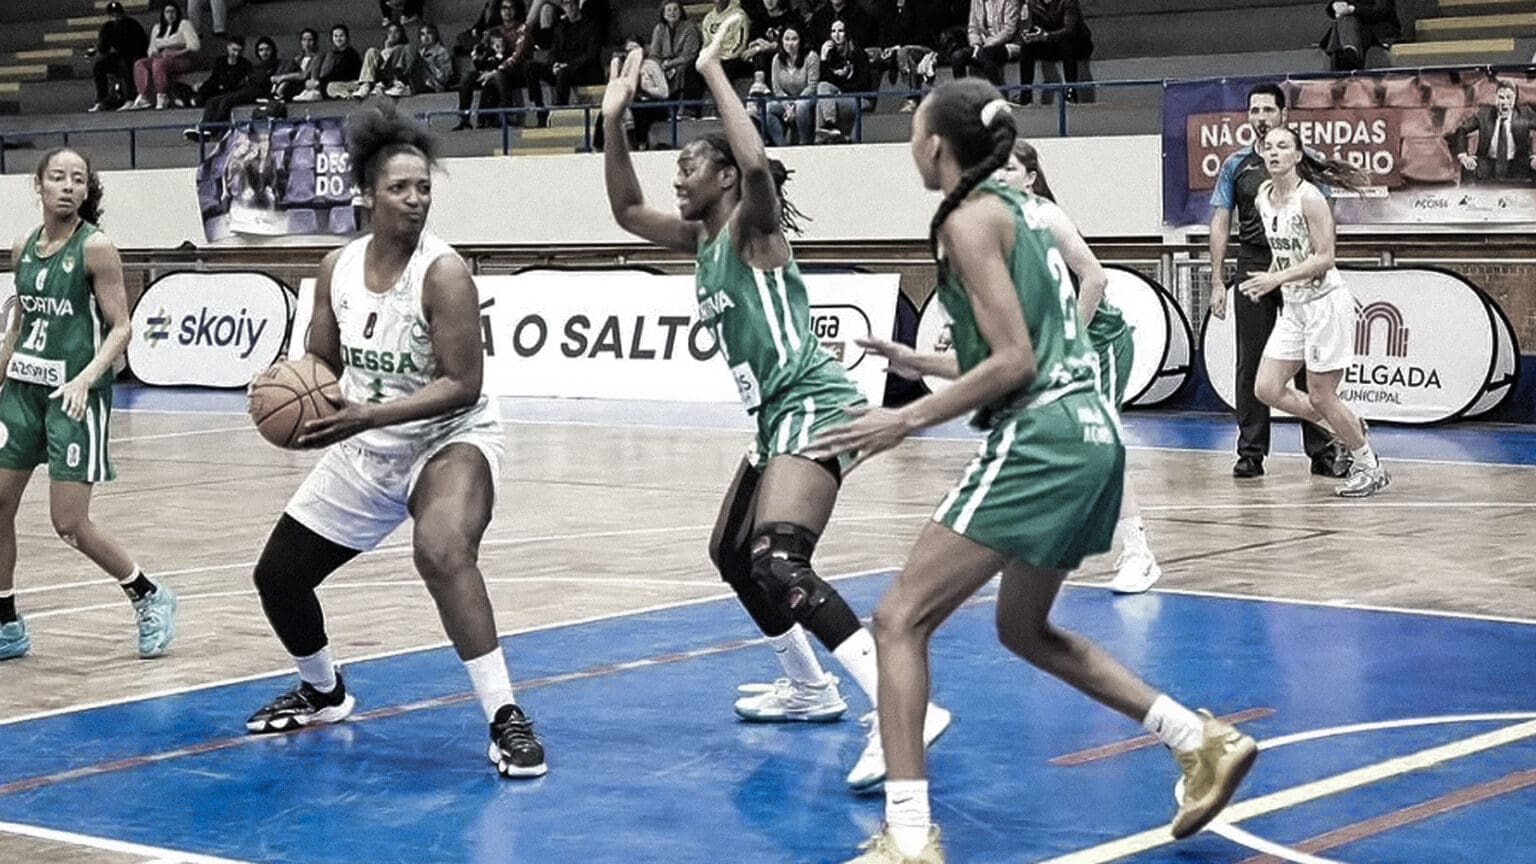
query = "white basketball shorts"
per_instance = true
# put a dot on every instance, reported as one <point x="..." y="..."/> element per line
<point x="1319" y="332"/>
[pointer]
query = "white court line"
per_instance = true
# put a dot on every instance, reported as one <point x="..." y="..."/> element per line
<point x="399" y="583"/>
<point x="1367" y="504"/>
<point x="1267" y="847"/>
<point x="156" y="854"/>
<point x="685" y="427"/>
<point x="537" y="628"/>
<point x="390" y="548"/>
<point x="1328" y="604"/>
<point x="187" y="434"/>
<point x="1298" y="795"/>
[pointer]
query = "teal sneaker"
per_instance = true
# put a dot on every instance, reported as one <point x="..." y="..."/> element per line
<point x="14" y="640"/>
<point x="157" y="621"/>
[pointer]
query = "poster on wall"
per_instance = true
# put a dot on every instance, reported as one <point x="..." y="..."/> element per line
<point x="1429" y="346"/>
<point x="630" y="334"/>
<point x="1440" y="148"/>
<point x="1159" y="331"/>
<point x="278" y="177"/>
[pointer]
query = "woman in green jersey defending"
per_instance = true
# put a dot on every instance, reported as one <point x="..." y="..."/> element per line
<point x="1043" y="491"/>
<point x="732" y="217"/>
<point x="56" y="398"/>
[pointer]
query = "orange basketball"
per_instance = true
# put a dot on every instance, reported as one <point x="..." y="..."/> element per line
<point x="288" y="395"/>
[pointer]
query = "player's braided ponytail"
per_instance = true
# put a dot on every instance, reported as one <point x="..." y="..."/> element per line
<point x="972" y="117"/>
<point x="790" y="216"/>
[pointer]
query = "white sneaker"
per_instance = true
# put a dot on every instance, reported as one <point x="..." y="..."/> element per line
<point x="1364" y="481"/>
<point x="397" y="90"/>
<point x="786" y="701"/>
<point x="1135" y="572"/>
<point x="870" y="769"/>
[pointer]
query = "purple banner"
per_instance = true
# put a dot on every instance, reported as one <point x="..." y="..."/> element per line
<point x="279" y="177"/>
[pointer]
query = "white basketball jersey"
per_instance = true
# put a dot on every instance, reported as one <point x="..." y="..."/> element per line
<point x="386" y="348"/>
<point x="1290" y="243"/>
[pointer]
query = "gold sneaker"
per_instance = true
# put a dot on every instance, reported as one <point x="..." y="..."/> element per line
<point x="881" y="849"/>
<point x="1211" y="774"/>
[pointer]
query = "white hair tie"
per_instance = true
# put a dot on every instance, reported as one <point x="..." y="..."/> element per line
<point x="990" y="111"/>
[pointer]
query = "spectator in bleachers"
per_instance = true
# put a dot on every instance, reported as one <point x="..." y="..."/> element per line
<point x="291" y="75"/>
<point x="1359" y="25"/>
<point x="796" y="75"/>
<point x="220" y="10"/>
<point x="119" y="44"/>
<point x="574" y="56"/>
<point x="490" y="17"/>
<point x="257" y="83"/>
<point x="763" y="32"/>
<point x="400" y="11"/>
<point x="486" y="62"/>
<point x="229" y="72"/>
<point x="386" y="70"/>
<point x="1503" y="151"/>
<point x="544" y="14"/>
<point x="907" y="33"/>
<point x="1056" y="31"/>
<point x="434" y="67"/>
<point x="340" y="63"/>
<point x="860" y="26"/>
<point x="675" y="44"/>
<point x="992" y="36"/>
<point x="844" y="69"/>
<point x="173" y="48"/>
<point x="728" y="16"/>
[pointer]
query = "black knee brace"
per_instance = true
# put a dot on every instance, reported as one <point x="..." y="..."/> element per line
<point x="781" y="566"/>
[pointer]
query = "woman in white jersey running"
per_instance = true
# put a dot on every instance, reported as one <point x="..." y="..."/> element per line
<point x="733" y="217"/>
<point x="398" y="315"/>
<point x="1316" y="327"/>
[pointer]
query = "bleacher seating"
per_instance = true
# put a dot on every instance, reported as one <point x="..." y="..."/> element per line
<point x="45" y="76"/>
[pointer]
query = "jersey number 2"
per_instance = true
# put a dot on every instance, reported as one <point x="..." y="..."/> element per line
<point x="1058" y="268"/>
<point x="38" y="337"/>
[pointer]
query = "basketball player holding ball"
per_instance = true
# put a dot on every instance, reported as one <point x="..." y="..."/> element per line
<point x="56" y="393"/>
<point x="413" y="435"/>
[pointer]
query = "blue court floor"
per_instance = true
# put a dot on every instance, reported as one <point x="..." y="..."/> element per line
<point x="647" y="763"/>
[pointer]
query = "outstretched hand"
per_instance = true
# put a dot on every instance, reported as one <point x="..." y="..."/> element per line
<point x="901" y="360"/>
<point x="710" y="55"/>
<point x="622" y="85"/>
<point x="869" y="431"/>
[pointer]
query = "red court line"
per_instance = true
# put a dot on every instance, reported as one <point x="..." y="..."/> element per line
<point x="1408" y="815"/>
<point x="1094" y="754"/>
<point x="29" y="783"/>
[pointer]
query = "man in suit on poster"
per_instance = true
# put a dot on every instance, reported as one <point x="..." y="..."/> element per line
<point x="1502" y="151"/>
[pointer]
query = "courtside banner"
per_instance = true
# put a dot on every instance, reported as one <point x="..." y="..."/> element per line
<point x="1425" y="140"/>
<point x="209" y="329"/>
<point x="628" y="334"/>
<point x="1428" y="347"/>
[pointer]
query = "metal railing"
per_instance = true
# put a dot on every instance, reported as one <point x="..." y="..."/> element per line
<point x="1059" y="90"/>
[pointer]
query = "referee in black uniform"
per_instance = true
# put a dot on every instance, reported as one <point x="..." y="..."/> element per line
<point x="1236" y="188"/>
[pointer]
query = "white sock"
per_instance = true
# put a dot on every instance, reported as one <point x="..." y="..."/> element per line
<point x="906" y="815"/>
<point x="857" y="654"/>
<point x="1366" y="455"/>
<point x="318" y="670"/>
<point x="493" y="687"/>
<point x="1133" y="536"/>
<point x="797" y="657"/>
<point x="131" y="577"/>
<point x="1174" y="725"/>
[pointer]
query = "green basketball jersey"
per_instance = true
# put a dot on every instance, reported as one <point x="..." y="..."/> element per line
<point x="61" y="326"/>
<point x="761" y="320"/>
<point x="1108" y="324"/>
<point x="1064" y="359"/>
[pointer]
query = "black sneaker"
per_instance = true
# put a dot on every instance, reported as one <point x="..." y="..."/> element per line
<point x="303" y="706"/>
<point x="1248" y="466"/>
<point x="515" y="750"/>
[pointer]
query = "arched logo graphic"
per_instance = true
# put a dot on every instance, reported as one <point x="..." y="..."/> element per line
<point x="1391" y="319"/>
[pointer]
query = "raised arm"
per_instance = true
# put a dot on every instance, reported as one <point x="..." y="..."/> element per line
<point x="625" y="198"/>
<point x="759" y="210"/>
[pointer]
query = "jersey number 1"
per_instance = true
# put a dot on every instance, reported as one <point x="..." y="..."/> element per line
<point x="38" y="337"/>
